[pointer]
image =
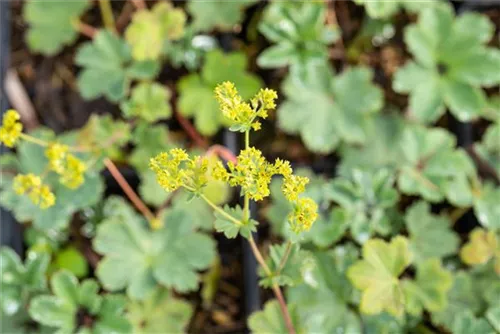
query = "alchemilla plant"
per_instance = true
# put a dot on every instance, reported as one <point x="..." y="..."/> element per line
<point x="369" y="168"/>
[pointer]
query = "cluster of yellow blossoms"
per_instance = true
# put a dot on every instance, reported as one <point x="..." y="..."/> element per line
<point x="244" y="114"/>
<point x="11" y="128"/>
<point x="69" y="167"/>
<point x="39" y="193"/>
<point x="175" y="169"/>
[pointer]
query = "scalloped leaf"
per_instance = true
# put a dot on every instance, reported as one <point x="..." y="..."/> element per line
<point x="149" y="102"/>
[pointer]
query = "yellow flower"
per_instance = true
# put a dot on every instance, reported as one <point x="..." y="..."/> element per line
<point x="11" y="128"/>
<point x="175" y="169"/>
<point x="156" y="224"/>
<point x="72" y="175"/>
<point x="303" y="215"/>
<point x="282" y="167"/>
<point x="244" y="114"/>
<point x="69" y="167"/>
<point x="219" y="172"/>
<point x="293" y="185"/>
<point x="56" y="153"/>
<point x="39" y="193"/>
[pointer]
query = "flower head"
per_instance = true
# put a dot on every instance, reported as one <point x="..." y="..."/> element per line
<point x="39" y="193"/>
<point x="69" y="167"/>
<point x="304" y="214"/>
<point x="293" y="185"/>
<point x="176" y="169"/>
<point x="11" y="128"/>
<point x="244" y="115"/>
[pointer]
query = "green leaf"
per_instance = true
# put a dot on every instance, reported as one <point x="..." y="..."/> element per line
<point x="48" y="310"/>
<point x="462" y="296"/>
<point x="467" y="323"/>
<point x="217" y="14"/>
<point x="428" y="290"/>
<point x="452" y="63"/>
<point x="493" y="316"/>
<point x="159" y="312"/>
<point x="169" y="256"/>
<point x="197" y="90"/>
<point x="149" y="140"/>
<point x="486" y="206"/>
<point x="377" y="275"/>
<point x="149" y="29"/>
<point x="270" y="319"/>
<point x="72" y="260"/>
<point x="229" y="227"/>
<point x="433" y="168"/>
<point x="482" y="247"/>
<point x="291" y="273"/>
<point x="107" y="67"/>
<point x="52" y="24"/>
<point x="339" y="113"/>
<point x="431" y="236"/>
<point x="301" y="35"/>
<point x="489" y="147"/>
<point x="150" y="190"/>
<point x="149" y="101"/>
<point x="323" y="296"/>
<point x="19" y="282"/>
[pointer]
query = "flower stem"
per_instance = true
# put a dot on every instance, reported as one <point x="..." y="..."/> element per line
<point x="191" y="131"/>
<point x="285" y="257"/>
<point x="276" y="288"/>
<point x="107" y="15"/>
<point x="127" y="189"/>
<point x="84" y="29"/>
<point x="34" y="140"/>
<point x="221" y="211"/>
<point x="139" y="4"/>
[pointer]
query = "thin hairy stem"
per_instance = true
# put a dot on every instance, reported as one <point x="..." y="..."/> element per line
<point x="221" y="211"/>
<point x="127" y="189"/>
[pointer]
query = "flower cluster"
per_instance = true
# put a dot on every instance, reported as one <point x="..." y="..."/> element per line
<point x="11" y="128"/>
<point x="175" y="169"/>
<point x="69" y="167"/>
<point x="39" y="193"/>
<point x="244" y="114"/>
<point x="304" y="214"/>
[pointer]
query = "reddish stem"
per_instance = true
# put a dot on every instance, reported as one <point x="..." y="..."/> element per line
<point x="191" y="131"/>
<point x="139" y="4"/>
<point x="86" y="30"/>
<point x="222" y="152"/>
<point x="127" y="189"/>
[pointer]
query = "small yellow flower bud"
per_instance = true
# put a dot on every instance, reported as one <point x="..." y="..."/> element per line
<point x="39" y="193"/>
<point x="156" y="224"/>
<point x="11" y="128"/>
<point x="293" y="185"/>
<point x="72" y="176"/>
<point x="56" y="153"/>
<point x="303" y="215"/>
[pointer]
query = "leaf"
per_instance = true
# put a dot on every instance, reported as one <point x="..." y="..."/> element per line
<point x="149" y="140"/>
<point x="299" y="31"/>
<point x="466" y="323"/>
<point x="149" y="29"/>
<point x="106" y="134"/>
<point x="72" y="260"/>
<point x="230" y="228"/>
<point x="149" y="101"/>
<point x="489" y="147"/>
<point x="323" y="295"/>
<point x="18" y="281"/>
<point x="339" y="114"/>
<point x="52" y="24"/>
<point x="366" y="198"/>
<point x="443" y="73"/>
<point x="486" y="207"/>
<point x="377" y="275"/>
<point x="462" y="296"/>
<point x="71" y="301"/>
<point x="169" y="256"/>
<point x="428" y="290"/>
<point x="431" y="236"/>
<point x="380" y="9"/>
<point x="483" y="246"/>
<point x="291" y="273"/>
<point x="196" y="90"/>
<point x="108" y="67"/>
<point x="493" y="316"/>
<point x="217" y="14"/>
<point x="270" y="319"/>
<point x="160" y="312"/>
<point x="150" y="190"/>
<point x="433" y="168"/>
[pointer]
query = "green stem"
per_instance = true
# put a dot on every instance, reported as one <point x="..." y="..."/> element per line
<point x="34" y="140"/>
<point x="220" y="210"/>
<point x="246" y="203"/>
<point x="285" y="257"/>
<point x="107" y="15"/>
